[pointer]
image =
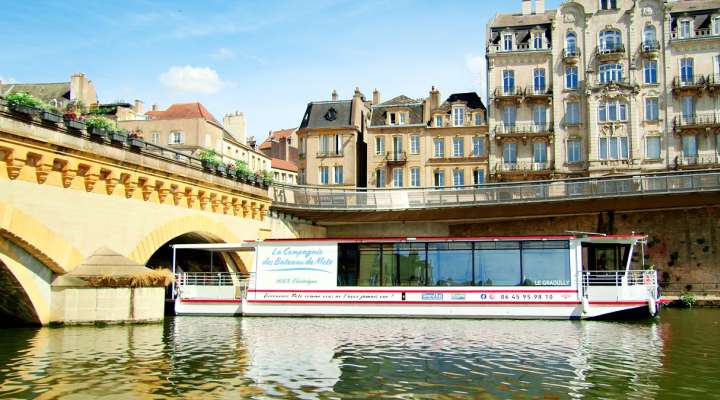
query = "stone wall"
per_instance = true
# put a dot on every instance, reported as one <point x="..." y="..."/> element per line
<point x="83" y="305"/>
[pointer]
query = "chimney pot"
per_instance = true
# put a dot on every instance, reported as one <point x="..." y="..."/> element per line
<point x="154" y="107"/>
<point x="376" y="97"/>
<point x="539" y="6"/>
<point x="334" y="95"/>
<point x="526" y="7"/>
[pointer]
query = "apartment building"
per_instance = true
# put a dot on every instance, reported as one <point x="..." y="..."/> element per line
<point x="331" y="142"/>
<point x="281" y="147"/>
<point x="598" y="87"/>
<point x="422" y="142"/>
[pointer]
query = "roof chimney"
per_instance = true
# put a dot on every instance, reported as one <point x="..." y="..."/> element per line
<point x="334" y="95"/>
<point x="526" y="7"/>
<point x="154" y="107"/>
<point x="376" y="97"/>
<point x="139" y="107"/>
<point x="434" y="98"/>
<point x="539" y="6"/>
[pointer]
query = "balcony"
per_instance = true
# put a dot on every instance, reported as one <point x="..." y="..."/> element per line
<point x="514" y="93"/>
<point x="650" y="49"/>
<point x="701" y="34"/>
<point x="571" y="56"/>
<point x="697" y="161"/>
<point x="523" y="131"/>
<point x="538" y="94"/>
<point x="607" y="53"/>
<point x="713" y="83"/>
<point x="329" y="153"/>
<point x="692" y="123"/>
<point x="395" y="157"/>
<point x="688" y="85"/>
<point x="521" y="47"/>
<point x="601" y="81"/>
<point x="505" y="171"/>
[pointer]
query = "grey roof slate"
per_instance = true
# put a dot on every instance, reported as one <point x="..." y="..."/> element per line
<point x="379" y="111"/>
<point x="327" y="114"/>
<point x="43" y="91"/>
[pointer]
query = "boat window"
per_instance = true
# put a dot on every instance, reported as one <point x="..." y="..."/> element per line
<point x="411" y="263"/>
<point x="605" y="256"/>
<point x="497" y="263"/>
<point x="389" y="266"/>
<point x="348" y="264"/>
<point x="450" y="264"/>
<point x="546" y="263"/>
<point x="369" y="274"/>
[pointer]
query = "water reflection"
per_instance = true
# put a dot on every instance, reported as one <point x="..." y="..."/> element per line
<point x="309" y="358"/>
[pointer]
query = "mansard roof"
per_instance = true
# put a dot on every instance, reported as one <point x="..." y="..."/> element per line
<point x="327" y="114"/>
<point x="379" y="111"/>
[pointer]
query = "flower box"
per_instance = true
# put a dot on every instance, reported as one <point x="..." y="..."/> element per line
<point x="231" y="173"/>
<point x="220" y="169"/>
<point x="97" y="132"/>
<point x="137" y="143"/>
<point x="118" y="137"/>
<point x="50" y="116"/>
<point x="208" y="166"/>
<point x="74" y="124"/>
<point x="22" y="109"/>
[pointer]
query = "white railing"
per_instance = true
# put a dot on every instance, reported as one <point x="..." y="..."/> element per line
<point x="211" y="279"/>
<point x="620" y="278"/>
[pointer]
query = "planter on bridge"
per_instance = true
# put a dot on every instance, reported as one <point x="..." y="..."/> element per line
<point x="220" y="169"/>
<point x="137" y="143"/>
<point x="22" y="109"/>
<point x="49" y="116"/>
<point x="97" y="132"/>
<point x="74" y="124"/>
<point x="118" y="136"/>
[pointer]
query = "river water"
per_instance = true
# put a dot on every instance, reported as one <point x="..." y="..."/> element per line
<point x="676" y="355"/>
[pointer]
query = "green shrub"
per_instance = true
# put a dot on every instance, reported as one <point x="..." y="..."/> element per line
<point x="99" y="123"/>
<point x="25" y="99"/>
<point x="688" y="299"/>
<point x="242" y="169"/>
<point x="210" y="157"/>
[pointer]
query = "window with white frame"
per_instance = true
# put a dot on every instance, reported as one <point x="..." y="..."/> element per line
<point x="301" y="177"/>
<point x="649" y="38"/>
<point x="458" y="177"/>
<point x="324" y="144"/>
<point x="397" y="177"/>
<point x="685" y="29"/>
<point x="338" y="175"/>
<point x="508" y="114"/>
<point x="302" y="145"/>
<point x="324" y="175"/>
<point x="439" y="178"/>
<point x="539" y="80"/>
<point x="337" y="143"/>
<point x="571" y="44"/>
<point x="687" y="70"/>
<point x="415" y="177"/>
<point x="478" y="177"/>
<point x="715" y="25"/>
<point x="414" y="144"/>
<point x="155" y="137"/>
<point x="689" y="146"/>
<point x="612" y="111"/>
<point x="537" y="40"/>
<point x="539" y="117"/>
<point x="652" y="147"/>
<point x="572" y="113"/>
<point x="380" y="178"/>
<point x="478" y="119"/>
<point x="650" y="72"/>
<point x="438" y="121"/>
<point x="478" y="146"/>
<point x="458" y="115"/>
<point x="392" y="118"/>
<point x="508" y="82"/>
<point x="717" y="143"/>
<point x="402" y="118"/>
<point x="380" y="145"/>
<point x="176" y="137"/>
<point x="610" y="73"/>
<point x="507" y="41"/>
<point x="610" y="41"/>
<point x="688" y="109"/>
<point x="613" y="148"/>
<point x="439" y="148"/>
<point x="652" y="111"/>
<point x="608" y="4"/>
<point x="458" y="145"/>
<point x="573" y="150"/>
<point x="571" y="77"/>
<point x="510" y="153"/>
<point x="539" y="152"/>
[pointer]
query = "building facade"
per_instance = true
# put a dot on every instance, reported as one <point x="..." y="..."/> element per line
<point x="422" y="142"/>
<point x="598" y="87"/>
<point x="331" y="142"/>
<point x="57" y="94"/>
<point x="281" y="147"/>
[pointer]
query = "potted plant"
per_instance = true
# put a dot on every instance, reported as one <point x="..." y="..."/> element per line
<point x="242" y="171"/>
<point x="267" y="178"/>
<point x="23" y="103"/>
<point x="50" y="114"/>
<point x="118" y="136"/>
<point x="72" y="121"/>
<point x="209" y="160"/>
<point x="136" y="140"/>
<point x="231" y="170"/>
<point x="98" y="126"/>
<point x="220" y="169"/>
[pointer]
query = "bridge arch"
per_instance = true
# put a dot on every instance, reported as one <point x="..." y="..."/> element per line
<point x="25" y="292"/>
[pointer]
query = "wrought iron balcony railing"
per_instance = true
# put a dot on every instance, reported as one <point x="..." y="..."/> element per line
<point x="508" y="91"/>
<point x="694" y="34"/>
<point x="695" y="81"/>
<point x="347" y="199"/>
<point x="395" y="157"/>
<point x="609" y="51"/>
<point x="571" y="53"/>
<point x="329" y="153"/>
<point x="696" y="120"/>
<point x="519" y="129"/>
<point x="650" y="46"/>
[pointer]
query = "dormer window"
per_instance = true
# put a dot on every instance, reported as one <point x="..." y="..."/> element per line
<point x="507" y="41"/>
<point x="397" y="118"/>
<point x="458" y="115"/>
<point x="685" y="29"/>
<point x="438" y="121"/>
<point x="537" y="40"/>
<point x="393" y="118"/>
<point x="608" y="4"/>
<point x="402" y="118"/>
<point x="716" y="25"/>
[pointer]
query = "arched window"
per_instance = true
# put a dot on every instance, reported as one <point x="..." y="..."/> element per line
<point x="571" y="43"/>
<point x="610" y="41"/>
<point x="649" y="38"/>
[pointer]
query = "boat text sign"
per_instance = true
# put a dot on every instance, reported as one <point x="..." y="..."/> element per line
<point x="296" y="266"/>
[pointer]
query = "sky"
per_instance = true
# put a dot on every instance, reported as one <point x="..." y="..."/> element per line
<point x="267" y="59"/>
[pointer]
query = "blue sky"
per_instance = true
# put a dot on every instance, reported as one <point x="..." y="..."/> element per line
<point x="264" y="58"/>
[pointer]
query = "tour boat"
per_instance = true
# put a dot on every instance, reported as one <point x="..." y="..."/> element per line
<point x="542" y="277"/>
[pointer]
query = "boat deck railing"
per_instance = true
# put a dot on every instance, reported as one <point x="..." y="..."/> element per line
<point x="372" y="199"/>
<point x="212" y="279"/>
<point x="620" y="278"/>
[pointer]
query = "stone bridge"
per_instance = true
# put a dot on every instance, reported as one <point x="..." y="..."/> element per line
<point x="64" y="195"/>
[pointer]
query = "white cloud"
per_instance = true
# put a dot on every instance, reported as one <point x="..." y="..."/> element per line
<point x="192" y="79"/>
<point x="223" y="54"/>
<point x="477" y="66"/>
